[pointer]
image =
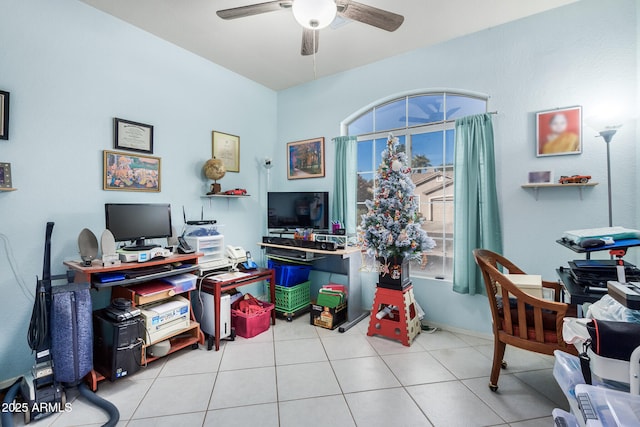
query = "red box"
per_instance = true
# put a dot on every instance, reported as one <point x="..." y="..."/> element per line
<point x="250" y="325"/>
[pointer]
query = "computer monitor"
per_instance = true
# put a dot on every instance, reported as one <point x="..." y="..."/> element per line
<point x="137" y="222"/>
<point x="298" y="209"/>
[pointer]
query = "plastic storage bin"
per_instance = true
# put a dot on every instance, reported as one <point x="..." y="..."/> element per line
<point x="250" y="325"/>
<point x="611" y="408"/>
<point x="289" y="300"/>
<point x="289" y="275"/>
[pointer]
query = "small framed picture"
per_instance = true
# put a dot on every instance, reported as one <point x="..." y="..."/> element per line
<point x="559" y="131"/>
<point x="4" y="115"/>
<point x="131" y="172"/>
<point x="540" y="177"/>
<point x="132" y="136"/>
<point x="305" y="159"/>
<point x="226" y="147"/>
<point x="5" y="175"/>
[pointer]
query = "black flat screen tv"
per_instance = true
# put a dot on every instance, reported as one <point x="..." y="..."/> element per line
<point x="300" y="209"/>
<point x="137" y="222"/>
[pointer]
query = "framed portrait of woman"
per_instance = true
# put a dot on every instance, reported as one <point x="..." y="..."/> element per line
<point x="559" y="131"/>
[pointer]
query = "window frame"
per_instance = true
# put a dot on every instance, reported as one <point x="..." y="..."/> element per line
<point x="407" y="132"/>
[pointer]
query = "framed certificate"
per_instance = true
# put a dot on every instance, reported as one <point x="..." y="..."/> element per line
<point x="132" y="136"/>
<point x="226" y="147"/>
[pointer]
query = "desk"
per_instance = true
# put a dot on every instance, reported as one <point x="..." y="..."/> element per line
<point x="342" y="261"/>
<point x="577" y="294"/>
<point x="216" y="287"/>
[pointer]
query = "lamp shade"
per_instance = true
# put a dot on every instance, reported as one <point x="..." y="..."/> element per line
<point x="314" y="14"/>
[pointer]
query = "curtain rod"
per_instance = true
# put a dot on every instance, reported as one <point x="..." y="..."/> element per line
<point x="493" y="112"/>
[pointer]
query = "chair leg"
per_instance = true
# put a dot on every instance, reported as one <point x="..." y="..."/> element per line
<point x="498" y="363"/>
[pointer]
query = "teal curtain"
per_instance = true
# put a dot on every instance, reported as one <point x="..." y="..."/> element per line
<point x="477" y="221"/>
<point x="345" y="185"/>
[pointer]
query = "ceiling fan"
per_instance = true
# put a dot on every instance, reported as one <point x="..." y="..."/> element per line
<point x="314" y="15"/>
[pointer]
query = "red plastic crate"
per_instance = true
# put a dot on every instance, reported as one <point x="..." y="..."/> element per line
<point x="250" y="325"/>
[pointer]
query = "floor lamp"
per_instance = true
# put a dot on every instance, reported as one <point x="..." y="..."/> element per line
<point x="607" y="135"/>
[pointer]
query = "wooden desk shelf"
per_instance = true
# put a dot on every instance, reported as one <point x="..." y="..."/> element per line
<point x="189" y="336"/>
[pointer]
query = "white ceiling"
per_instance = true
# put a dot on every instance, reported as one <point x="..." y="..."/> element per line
<point x="266" y="48"/>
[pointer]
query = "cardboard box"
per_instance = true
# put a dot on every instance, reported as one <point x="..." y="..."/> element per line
<point x="528" y="283"/>
<point x="326" y="317"/>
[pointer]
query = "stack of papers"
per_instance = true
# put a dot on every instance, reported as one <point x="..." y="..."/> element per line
<point x="331" y="296"/>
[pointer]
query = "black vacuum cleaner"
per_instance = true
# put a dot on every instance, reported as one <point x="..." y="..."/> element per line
<point x="61" y="336"/>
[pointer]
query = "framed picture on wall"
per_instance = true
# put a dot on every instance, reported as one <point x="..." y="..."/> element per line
<point x="559" y="131"/>
<point x="540" y="177"/>
<point x="226" y="147"/>
<point x="132" y="136"/>
<point x="305" y="159"/>
<point x="4" y="115"/>
<point x="131" y="172"/>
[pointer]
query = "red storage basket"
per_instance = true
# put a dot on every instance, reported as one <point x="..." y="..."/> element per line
<point x="250" y="325"/>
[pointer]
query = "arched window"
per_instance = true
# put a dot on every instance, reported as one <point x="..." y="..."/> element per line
<point x="424" y="125"/>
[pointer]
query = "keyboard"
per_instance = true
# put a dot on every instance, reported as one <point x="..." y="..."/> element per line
<point x="147" y="271"/>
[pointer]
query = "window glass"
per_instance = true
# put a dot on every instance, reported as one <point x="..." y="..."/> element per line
<point x="425" y="109"/>
<point x="362" y="125"/>
<point x="461" y="106"/>
<point x="365" y="156"/>
<point x="425" y="130"/>
<point x="426" y="150"/>
<point x="391" y="116"/>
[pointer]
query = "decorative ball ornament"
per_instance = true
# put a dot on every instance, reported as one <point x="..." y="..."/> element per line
<point x="396" y="165"/>
<point x="214" y="169"/>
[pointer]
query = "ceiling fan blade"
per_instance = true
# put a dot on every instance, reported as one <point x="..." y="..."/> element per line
<point x="370" y="15"/>
<point x="253" y="9"/>
<point x="309" y="42"/>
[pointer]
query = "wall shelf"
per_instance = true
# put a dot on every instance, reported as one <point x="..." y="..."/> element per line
<point x="224" y="196"/>
<point x="579" y="186"/>
<point x="8" y="189"/>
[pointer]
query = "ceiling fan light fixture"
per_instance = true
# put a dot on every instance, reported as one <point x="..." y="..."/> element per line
<point x="314" y="14"/>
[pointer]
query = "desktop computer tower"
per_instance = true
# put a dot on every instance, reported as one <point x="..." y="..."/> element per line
<point x="204" y="310"/>
<point x="117" y="350"/>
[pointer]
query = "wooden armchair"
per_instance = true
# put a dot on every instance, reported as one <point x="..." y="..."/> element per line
<point x="519" y="319"/>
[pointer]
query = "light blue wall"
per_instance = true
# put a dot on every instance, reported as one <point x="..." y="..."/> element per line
<point x="71" y="69"/>
<point x="581" y="54"/>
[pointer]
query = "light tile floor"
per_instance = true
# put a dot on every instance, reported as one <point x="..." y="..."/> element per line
<point x="298" y="375"/>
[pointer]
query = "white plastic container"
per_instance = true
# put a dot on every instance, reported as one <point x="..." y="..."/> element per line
<point x="611" y="408"/>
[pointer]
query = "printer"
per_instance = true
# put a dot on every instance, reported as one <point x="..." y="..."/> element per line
<point x="164" y="318"/>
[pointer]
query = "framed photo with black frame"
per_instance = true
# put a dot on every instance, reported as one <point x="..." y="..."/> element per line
<point x="132" y="136"/>
<point x="4" y="115"/>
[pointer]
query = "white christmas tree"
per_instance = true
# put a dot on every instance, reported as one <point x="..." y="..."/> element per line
<point x="392" y="226"/>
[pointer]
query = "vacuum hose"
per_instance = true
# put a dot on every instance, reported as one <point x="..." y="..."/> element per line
<point x="109" y="408"/>
<point x="6" y="418"/>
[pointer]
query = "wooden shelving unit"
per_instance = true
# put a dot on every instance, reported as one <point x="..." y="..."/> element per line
<point x="579" y="186"/>
<point x="8" y="189"/>
<point x="189" y="336"/>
